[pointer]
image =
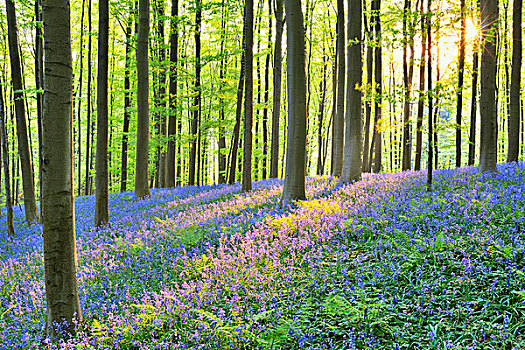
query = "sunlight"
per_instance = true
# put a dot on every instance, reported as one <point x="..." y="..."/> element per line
<point x="472" y="31"/>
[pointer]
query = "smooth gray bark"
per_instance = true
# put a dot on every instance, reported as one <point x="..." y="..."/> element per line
<point x="489" y="125"/>
<point x="248" y="99"/>
<point x="515" y="87"/>
<point x="294" y="181"/>
<point x="101" y="160"/>
<point x="58" y="214"/>
<point x="141" y="165"/>
<point x="352" y="165"/>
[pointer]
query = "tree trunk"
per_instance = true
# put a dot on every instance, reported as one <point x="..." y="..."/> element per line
<point x="474" y="102"/>
<point x="294" y="181"/>
<point x="30" y="207"/>
<point x="5" y="163"/>
<point x="506" y="65"/>
<point x="407" y="145"/>
<point x="197" y="100"/>
<point x="222" y="71"/>
<point x="369" y="79"/>
<point x="420" y="102"/>
<point x="352" y="166"/>
<point x="238" y="114"/>
<point x="277" y="76"/>
<point x="430" y="98"/>
<point x="172" y="122"/>
<point x="58" y="214"/>
<point x="141" y="165"/>
<point x="127" y="107"/>
<point x="248" y="99"/>
<point x="459" y="94"/>
<point x="161" y="101"/>
<point x="101" y="162"/>
<point x="88" y="111"/>
<point x="320" y="120"/>
<point x="339" y="121"/>
<point x="79" y="119"/>
<point x="39" y="79"/>
<point x="489" y="126"/>
<point x="376" y="147"/>
<point x="267" y="95"/>
<point x="514" y="115"/>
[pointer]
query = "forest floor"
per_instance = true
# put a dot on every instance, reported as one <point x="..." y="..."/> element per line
<point x="379" y="264"/>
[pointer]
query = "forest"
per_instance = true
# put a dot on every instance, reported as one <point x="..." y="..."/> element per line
<point x="280" y="174"/>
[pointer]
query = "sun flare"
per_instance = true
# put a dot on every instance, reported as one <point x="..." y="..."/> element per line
<point x="472" y="30"/>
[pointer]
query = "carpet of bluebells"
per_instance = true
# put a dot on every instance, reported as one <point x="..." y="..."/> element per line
<point x="377" y="264"/>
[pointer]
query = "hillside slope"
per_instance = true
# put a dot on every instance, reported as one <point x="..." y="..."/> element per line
<point x="379" y="264"/>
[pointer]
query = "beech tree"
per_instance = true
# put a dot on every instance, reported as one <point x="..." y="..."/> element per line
<point x="141" y="165"/>
<point x="430" y="165"/>
<point x="515" y="87"/>
<point x="172" y="120"/>
<point x="489" y="127"/>
<point x="58" y="214"/>
<point x="352" y="165"/>
<point x="421" y="100"/>
<point x="198" y="92"/>
<point x="408" y="70"/>
<point x="459" y="93"/>
<point x="339" y="121"/>
<point x="101" y="160"/>
<point x="277" y="68"/>
<point x="248" y="98"/>
<point x="30" y="207"/>
<point x="127" y="106"/>
<point x="474" y="97"/>
<point x="5" y="164"/>
<point x="294" y="181"/>
<point x="376" y="149"/>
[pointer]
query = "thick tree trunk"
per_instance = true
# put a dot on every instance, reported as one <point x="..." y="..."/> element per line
<point x="5" y="163"/>
<point x="248" y="99"/>
<point x="339" y="121"/>
<point x="30" y="207"/>
<point x="420" y="102"/>
<point x="489" y="126"/>
<point x="172" y="121"/>
<point x="141" y="165"/>
<point x="352" y="166"/>
<point x="277" y="76"/>
<point x="514" y="115"/>
<point x="294" y="181"/>
<point x="459" y="93"/>
<point x="101" y="162"/>
<point x="58" y="214"/>
<point x="197" y="100"/>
